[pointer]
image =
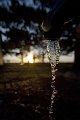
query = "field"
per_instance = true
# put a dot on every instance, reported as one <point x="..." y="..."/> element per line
<point x="25" y="92"/>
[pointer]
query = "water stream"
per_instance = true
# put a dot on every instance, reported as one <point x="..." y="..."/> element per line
<point x="53" y="52"/>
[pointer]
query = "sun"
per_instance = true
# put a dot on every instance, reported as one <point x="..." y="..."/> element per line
<point x="29" y="58"/>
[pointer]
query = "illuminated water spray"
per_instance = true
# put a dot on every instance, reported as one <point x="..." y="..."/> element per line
<point x="53" y="52"/>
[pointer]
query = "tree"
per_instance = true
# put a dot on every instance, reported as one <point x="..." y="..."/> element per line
<point x="22" y="51"/>
<point x="43" y="56"/>
<point x="34" y="57"/>
<point x="23" y="23"/>
<point x="70" y="40"/>
<point x="1" y="56"/>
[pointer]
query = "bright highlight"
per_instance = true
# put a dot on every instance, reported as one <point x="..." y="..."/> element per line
<point x="29" y="58"/>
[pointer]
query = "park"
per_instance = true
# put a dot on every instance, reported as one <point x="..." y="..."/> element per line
<point x="35" y="35"/>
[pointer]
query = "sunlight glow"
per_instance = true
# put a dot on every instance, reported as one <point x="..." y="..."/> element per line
<point x="29" y="58"/>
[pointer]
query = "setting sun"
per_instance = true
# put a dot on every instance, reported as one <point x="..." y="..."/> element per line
<point x="29" y="58"/>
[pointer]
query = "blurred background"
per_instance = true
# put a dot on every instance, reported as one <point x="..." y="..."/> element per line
<point x="25" y="71"/>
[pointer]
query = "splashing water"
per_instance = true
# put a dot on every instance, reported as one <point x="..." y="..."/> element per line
<point x="53" y="52"/>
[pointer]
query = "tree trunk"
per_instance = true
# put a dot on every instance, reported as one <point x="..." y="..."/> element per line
<point x="1" y="56"/>
<point x="77" y="56"/>
<point x="22" y="61"/>
<point x="43" y="55"/>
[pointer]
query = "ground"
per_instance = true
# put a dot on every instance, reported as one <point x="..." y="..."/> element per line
<point x="25" y="92"/>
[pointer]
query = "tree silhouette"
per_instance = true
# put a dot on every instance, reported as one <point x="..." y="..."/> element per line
<point x="1" y="57"/>
<point x="18" y="20"/>
<point x="70" y="40"/>
<point x="34" y="57"/>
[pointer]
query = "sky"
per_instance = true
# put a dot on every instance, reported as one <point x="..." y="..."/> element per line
<point x="14" y="59"/>
<point x="7" y="3"/>
<point x="29" y="58"/>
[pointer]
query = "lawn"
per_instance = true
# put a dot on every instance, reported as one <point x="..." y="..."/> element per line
<point x="29" y="77"/>
<point x="25" y="92"/>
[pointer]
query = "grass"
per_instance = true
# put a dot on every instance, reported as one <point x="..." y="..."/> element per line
<point x="28" y="76"/>
<point x="25" y="92"/>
